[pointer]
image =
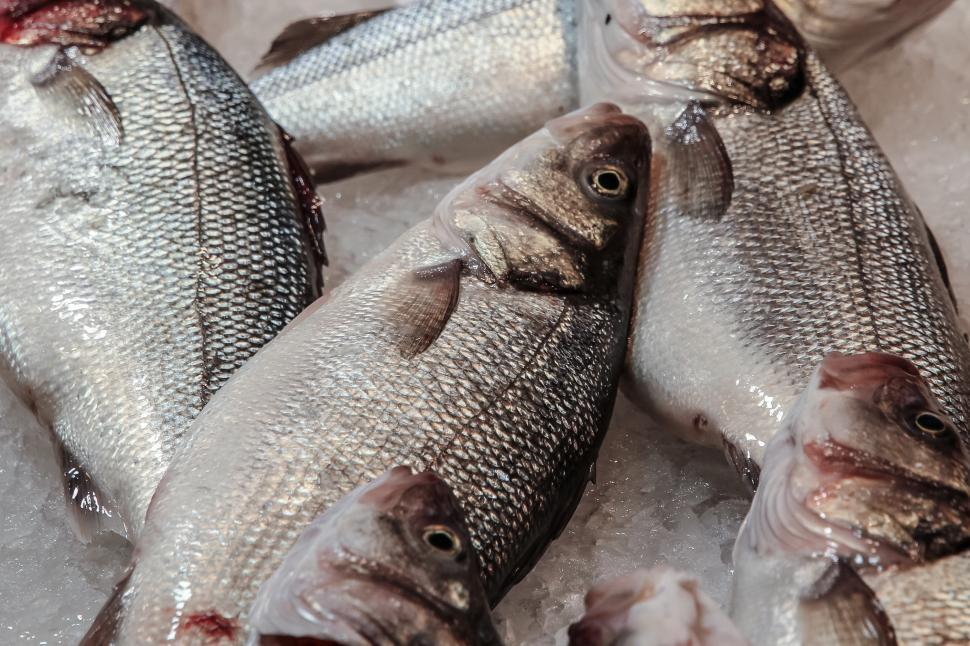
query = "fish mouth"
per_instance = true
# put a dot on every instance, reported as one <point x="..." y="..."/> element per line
<point x="920" y="518"/>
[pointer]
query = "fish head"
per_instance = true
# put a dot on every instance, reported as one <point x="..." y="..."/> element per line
<point x="557" y="210"/>
<point x="871" y="467"/>
<point x="392" y="558"/>
<point x="714" y="51"/>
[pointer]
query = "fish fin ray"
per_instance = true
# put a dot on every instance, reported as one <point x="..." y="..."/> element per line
<point x="81" y="96"/>
<point x="699" y="179"/>
<point x="326" y="172"/>
<point x="104" y="630"/>
<point x="303" y="35"/>
<point x="840" y="603"/>
<point x="431" y="294"/>
<point x="91" y="511"/>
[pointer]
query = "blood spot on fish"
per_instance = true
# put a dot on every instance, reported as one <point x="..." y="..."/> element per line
<point x="91" y="24"/>
<point x="609" y="19"/>
<point x="438" y="159"/>
<point x="211" y="624"/>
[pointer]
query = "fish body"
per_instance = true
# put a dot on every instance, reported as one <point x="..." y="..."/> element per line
<point x="153" y="241"/>
<point x="794" y="238"/>
<point x="391" y="562"/>
<point x="844" y="32"/>
<point x="484" y="344"/>
<point x="420" y="83"/>
<point x="865" y="494"/>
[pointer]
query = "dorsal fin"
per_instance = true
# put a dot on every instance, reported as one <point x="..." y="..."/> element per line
<point x="304" y="35"/>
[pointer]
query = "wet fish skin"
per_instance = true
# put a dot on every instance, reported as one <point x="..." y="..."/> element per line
<point x="391" y="562"/>
<point x="142" y="262"/>
<point x="819" y="250"/>
<point x="417" y="84"/>
<point x="867" y="480"/>
<point x="504" y="387"/>
<point x="657" y="607"/>
<point x="845" y="32"/>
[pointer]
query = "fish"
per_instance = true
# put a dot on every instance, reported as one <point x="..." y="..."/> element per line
<point x="846" y="32"/>
<point x="391" y="562"/>
<point x="778" y="234"/>
<point x="441" y="84"/>
<point x="485" y="344"/>
<point x="158" y="230"/>
<point x="865" y="490"/>
<point x="447" y="85"/>
<point x="656" y="607"/>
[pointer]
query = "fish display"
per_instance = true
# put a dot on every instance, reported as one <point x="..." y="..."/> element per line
<point x="843" y="32"/>
<point x="485" y="344"/>
<point x="420" y="83"/>
<point x="450" y="84"/>
<point x="658" y="607"/>
<point x="867" y="479"/>
<point x="394" y="557"/>
<point x="157" y="231"/>
<point x="779" y="233"/>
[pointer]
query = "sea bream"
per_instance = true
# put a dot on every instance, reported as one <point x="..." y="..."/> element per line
<point x="157" y="231"/>
<point x="450" y="84"/>
<point x="865" y="488"/>
<point x="485" y="344"/>
<point x="392" y="562"/>
<point x="779" y="232"/>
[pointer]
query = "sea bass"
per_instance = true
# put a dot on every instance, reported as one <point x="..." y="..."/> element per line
<point x="450" y="84"/>
<point x="421" y="83"/>
<point x="485" y="344"/>
<point x="392" y="562"/>
<point x="156" y="233"/>
<point x="658" y="607"/>
<point x="866" y="485"/>
<point x="844" y="31"/>
<point x="780" y="232"/>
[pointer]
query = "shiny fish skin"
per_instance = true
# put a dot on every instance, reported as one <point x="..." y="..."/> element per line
<point x="136" y="277"/>
<point x="844" y="32"/>
<point x="508" y="405"/>
<point x="418" y="83"/>
<point x="820" y="251"/>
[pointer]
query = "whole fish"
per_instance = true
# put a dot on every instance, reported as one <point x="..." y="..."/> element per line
<point x="392" y="562"/>
<point x="866" y="485"/>
<point x="453" y="83"/>
<point x="484" y="344"/>
<point x="658" y="607"/>
<point x="780" y="232"/>
<point x="156" y="233"/>
<point x="421" y="83"/>
<point x="845" y="31"/>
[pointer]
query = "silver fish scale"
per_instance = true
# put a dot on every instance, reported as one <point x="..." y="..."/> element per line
<point x="136" y="277"/>
<point x="508" y="406"/>
<point x="820" y="251"/>
<point x="418" y="83"/>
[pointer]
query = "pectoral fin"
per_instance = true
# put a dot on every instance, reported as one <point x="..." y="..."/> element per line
<point x="427" y="299"/>
<point x="90" y="510"/>
<point x="841" y="609"/>
<point x="699" y="179"/>
<point x="80" y="97"/>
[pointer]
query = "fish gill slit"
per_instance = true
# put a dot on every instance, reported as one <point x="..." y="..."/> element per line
<point x="526" y="365"/>
<point x="205" y="377"/>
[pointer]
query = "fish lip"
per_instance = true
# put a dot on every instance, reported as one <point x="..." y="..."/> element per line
<point x="836" y="459"/>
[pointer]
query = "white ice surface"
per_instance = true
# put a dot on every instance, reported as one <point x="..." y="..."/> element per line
<point x="656" y="500"/>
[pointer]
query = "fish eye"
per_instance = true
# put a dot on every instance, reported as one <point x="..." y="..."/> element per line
<point x="608" y="181"/>
<point x="930" y="423"/>
<point x="442" y="539"/>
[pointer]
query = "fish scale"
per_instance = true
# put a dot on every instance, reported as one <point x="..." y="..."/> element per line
<point x="820" y="251"/>
<point x="139" y="275"/>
